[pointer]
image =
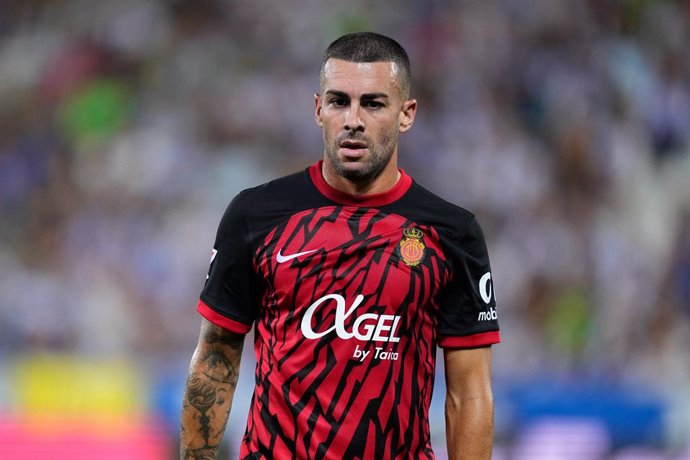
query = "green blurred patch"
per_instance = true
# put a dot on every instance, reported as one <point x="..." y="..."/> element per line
<point x="94" y="113"/>
<point x="568" y="324"/>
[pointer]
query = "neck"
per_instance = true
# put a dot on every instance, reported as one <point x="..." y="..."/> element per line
<point x="385" y="181"/>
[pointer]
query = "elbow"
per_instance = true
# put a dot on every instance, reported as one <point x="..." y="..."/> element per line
<point x="481" y="401"/>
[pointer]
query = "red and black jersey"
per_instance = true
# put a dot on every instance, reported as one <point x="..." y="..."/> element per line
<point x="350" y="297"/>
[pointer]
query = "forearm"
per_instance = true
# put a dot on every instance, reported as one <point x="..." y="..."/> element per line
<point x="211" y="382"/>
<point x="469" y="427"/>
<point x="205" y="411"/>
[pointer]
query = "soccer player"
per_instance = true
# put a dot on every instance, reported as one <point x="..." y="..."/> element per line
<point x="351" y="274"/>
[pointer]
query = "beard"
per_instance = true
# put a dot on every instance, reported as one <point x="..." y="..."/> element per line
<point x="364" y="169"/>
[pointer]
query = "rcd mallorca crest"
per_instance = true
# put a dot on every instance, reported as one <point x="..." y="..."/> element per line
<point x="411" y="247"/>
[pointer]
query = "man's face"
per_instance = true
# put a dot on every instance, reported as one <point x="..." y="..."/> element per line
<point x="361" y="109"/>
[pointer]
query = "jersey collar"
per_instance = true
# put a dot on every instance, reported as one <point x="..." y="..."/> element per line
<point x="372" y="200"/>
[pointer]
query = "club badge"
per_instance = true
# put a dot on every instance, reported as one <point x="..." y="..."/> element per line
<point x="411" y="247"/>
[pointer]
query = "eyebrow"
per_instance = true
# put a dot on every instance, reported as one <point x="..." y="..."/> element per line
<point x="366" y="96"/>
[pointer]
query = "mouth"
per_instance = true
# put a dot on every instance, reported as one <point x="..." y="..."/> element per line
<point x="353" y="148"/>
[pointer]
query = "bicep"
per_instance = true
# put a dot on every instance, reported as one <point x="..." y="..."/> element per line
<point x="218" y="352"/>
<point x="468" y="372"/>
<point x="213" y="335"/>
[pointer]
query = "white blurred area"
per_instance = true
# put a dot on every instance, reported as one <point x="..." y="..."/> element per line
<point x="126" y="127"/>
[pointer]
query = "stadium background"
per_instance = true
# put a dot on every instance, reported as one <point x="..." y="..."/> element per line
<point x="126" y="126"/>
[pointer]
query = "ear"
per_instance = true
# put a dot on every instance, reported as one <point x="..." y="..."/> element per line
<point x="407" y="114"/>
<point x="317" y="109"/>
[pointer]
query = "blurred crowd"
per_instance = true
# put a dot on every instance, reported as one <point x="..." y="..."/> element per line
<point x="126" y="127"/>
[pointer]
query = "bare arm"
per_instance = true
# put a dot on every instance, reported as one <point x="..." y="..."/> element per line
<point x="469" y="404"/>
<point x="211" y="383"/>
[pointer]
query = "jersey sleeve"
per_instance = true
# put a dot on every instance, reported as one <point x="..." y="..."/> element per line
<point x="226" y="299"/>
<point x="468" y="316"/>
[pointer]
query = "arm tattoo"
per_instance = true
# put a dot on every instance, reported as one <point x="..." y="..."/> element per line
<point x="199" y="454"/>
<point x="211" y="383"/>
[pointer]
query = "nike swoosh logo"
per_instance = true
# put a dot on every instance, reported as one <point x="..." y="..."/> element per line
<point x="281" y="258"/>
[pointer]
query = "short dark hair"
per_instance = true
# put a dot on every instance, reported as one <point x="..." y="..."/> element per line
<point x="371" y="47"/>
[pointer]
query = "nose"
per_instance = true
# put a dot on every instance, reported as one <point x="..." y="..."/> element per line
<point x="353" y="120"/>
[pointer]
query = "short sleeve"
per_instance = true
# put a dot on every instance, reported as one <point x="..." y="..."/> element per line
<point x="226" y="299"/>
<point x="468" y="315"/>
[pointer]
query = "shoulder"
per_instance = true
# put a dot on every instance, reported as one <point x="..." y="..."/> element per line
<point x="437" y="203"/>
<point x="277" y="189"/>
<point x="450" y="220"/>
<point x="283" y="195"/>
<point x="259" y="209"/>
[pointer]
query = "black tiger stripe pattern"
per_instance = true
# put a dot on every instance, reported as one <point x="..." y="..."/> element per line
<point x="377" y="370"/>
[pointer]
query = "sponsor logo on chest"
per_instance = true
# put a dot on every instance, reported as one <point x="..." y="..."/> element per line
<point x="367" y="327"/>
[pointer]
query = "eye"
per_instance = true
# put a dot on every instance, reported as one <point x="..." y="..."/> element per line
<point x="373" y="104"/>
<point x="338" y="102"/>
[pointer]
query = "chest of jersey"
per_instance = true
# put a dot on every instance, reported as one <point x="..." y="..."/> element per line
<point x="352" y="274"/>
